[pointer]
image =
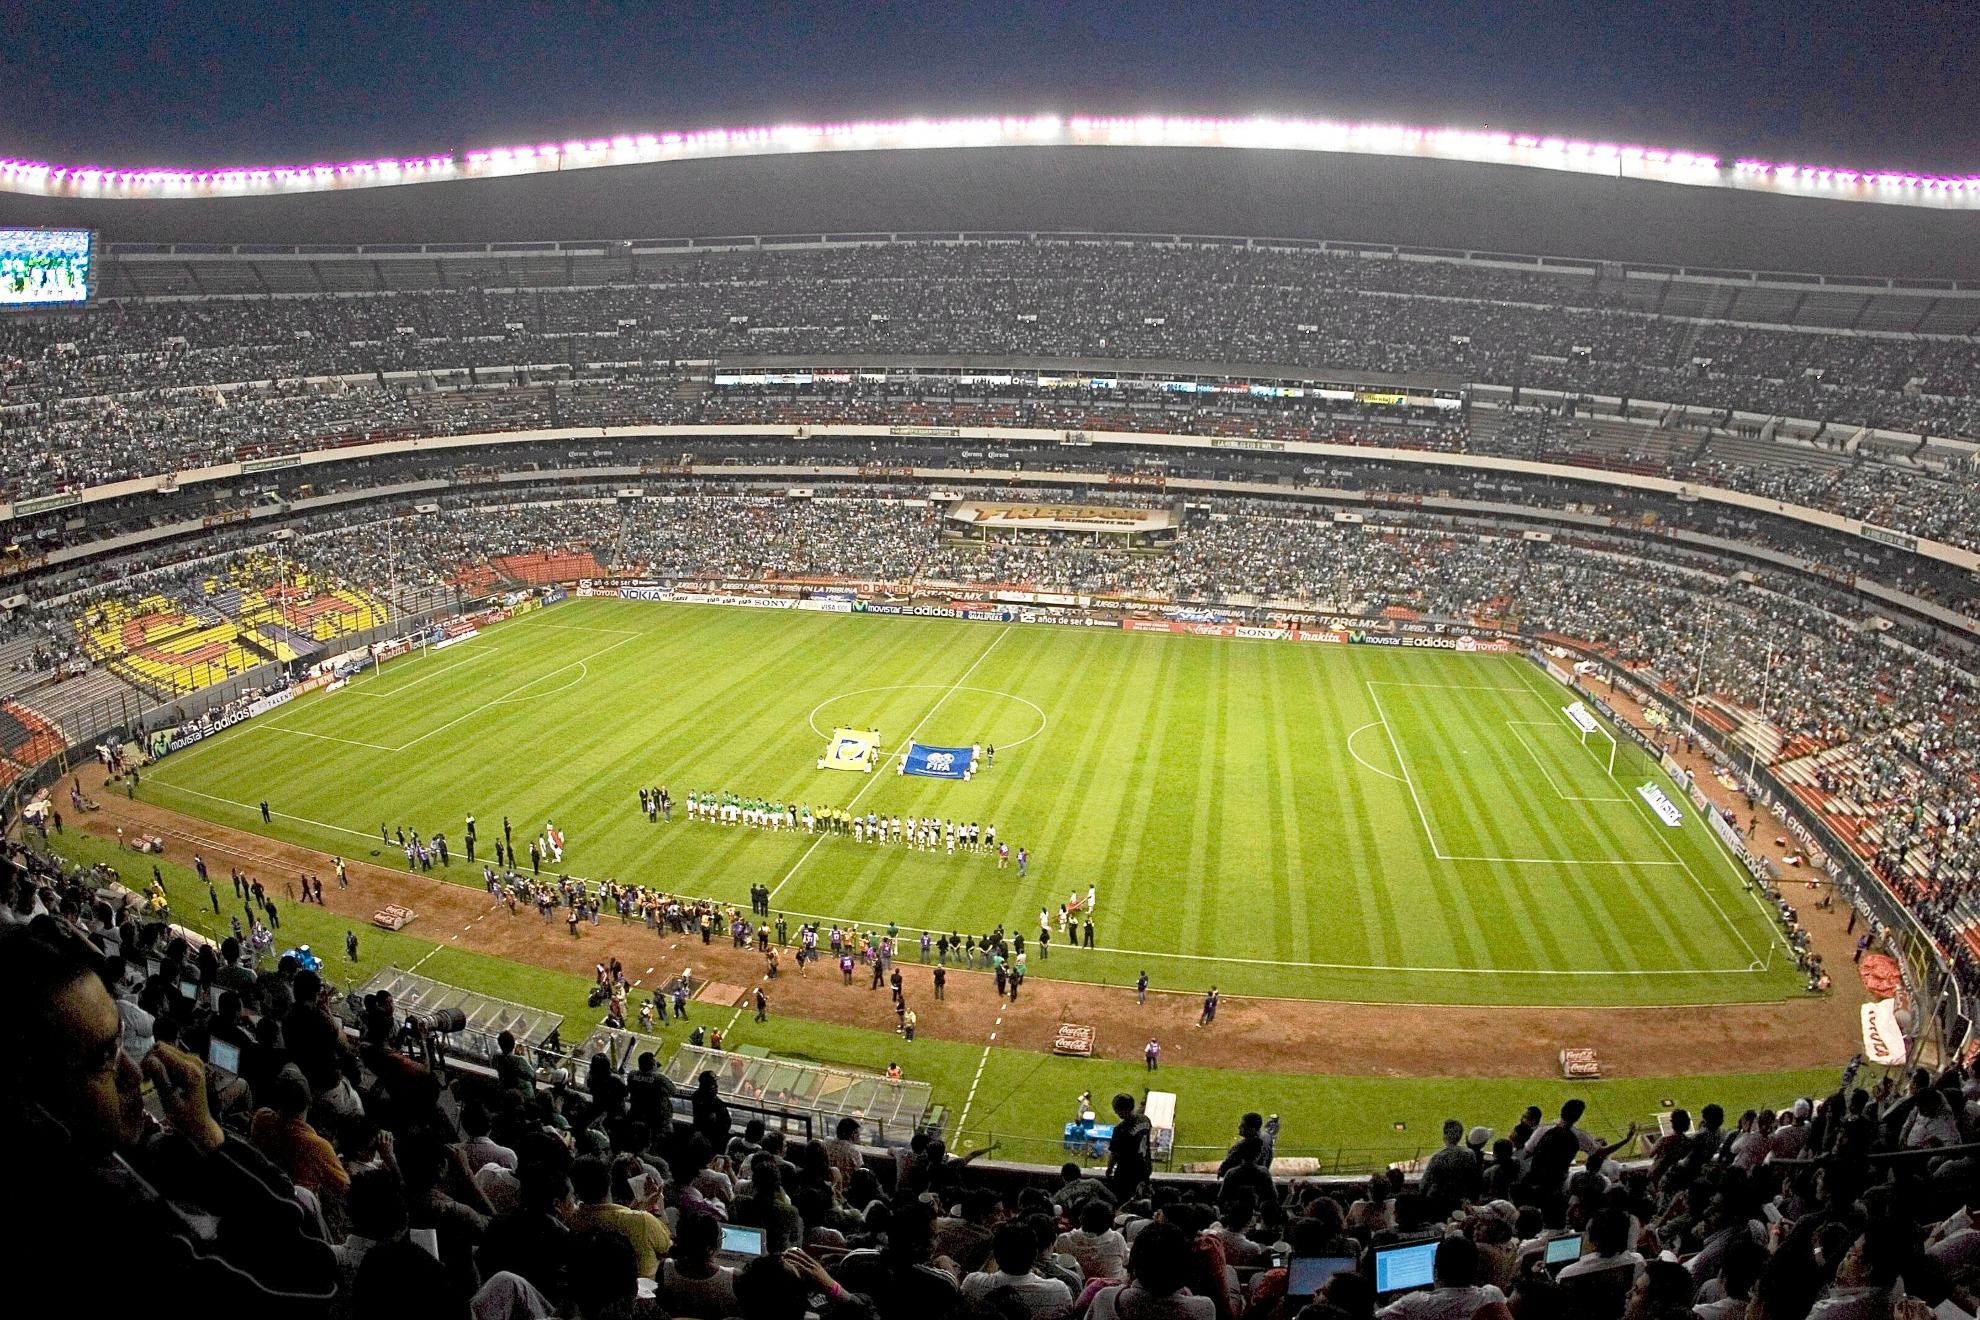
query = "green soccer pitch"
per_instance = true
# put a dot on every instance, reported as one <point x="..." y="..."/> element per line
<point x="1315" y="821"/>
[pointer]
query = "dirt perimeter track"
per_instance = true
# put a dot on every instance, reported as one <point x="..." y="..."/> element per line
<point x="1269" y="1035"/>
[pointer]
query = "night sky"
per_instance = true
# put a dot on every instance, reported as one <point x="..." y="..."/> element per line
<point x="123" y="82"/>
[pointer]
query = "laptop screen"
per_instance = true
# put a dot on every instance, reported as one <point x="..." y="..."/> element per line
<point x="1398" y="1269"/>
<point x="740" y="1240"/>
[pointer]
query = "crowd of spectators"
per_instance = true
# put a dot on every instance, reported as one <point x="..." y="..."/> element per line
<point x="344" y="1166"/>
<point x="139" y="387"/>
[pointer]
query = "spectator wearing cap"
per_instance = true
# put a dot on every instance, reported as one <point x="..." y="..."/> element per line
<point x="1792" y="1133"/>
<point x="1076" y="1189"/>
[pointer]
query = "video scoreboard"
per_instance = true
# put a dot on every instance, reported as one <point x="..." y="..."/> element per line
<point x="46" y="267"/>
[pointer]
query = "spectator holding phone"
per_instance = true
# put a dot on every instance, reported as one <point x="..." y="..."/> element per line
<point x="220" y="1222"/>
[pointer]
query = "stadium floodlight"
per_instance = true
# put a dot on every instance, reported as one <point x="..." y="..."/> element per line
<point x="1264" y="133"/>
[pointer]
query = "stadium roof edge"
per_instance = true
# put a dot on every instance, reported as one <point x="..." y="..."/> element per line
<point x="1474" y="145"/>
<point x="1418" y="204"/>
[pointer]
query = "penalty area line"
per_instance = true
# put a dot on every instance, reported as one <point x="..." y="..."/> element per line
<point x="255" y="807"/>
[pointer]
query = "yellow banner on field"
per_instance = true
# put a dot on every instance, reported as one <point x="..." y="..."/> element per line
<point x="851" y="749"/>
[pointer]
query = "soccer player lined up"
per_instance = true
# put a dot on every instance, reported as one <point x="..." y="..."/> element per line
<point x="924" y="833"/>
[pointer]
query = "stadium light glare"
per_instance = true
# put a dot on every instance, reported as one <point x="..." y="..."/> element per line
<point x="1631" y="161"/>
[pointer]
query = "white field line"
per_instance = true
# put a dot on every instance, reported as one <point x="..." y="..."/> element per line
<point x="518" y="688"/>
<point x="578" y="627"/>
<point x="1533" y="752"/>
<point x="1372" y="724"/>
<point x="1447" y="687"/>
<point x="974" y="1083"/>
<point x="254" y="809"/>
<point x="254" y="725"/>
<point x="1395" y="746"/>
<point x="1657" y="829"/>
<point x="874" y="777"/>
<point x="364" y="689"/>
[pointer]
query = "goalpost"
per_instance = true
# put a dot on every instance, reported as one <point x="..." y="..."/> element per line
<point x="1589" y="726"/>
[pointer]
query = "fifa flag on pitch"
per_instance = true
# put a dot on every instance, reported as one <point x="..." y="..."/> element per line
<point x="851" y="749"/>
<point x="939" y="762"/>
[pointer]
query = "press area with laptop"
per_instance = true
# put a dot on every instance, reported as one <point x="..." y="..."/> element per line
<point x="1405" y="1268"/>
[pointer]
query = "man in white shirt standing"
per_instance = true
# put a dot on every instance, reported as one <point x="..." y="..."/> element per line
<point x="1016" y="1251"/>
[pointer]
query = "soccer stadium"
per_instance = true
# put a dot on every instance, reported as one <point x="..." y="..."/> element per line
<point x="986" y="691"/>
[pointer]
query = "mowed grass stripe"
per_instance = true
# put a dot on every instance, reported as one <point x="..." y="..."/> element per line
<point x="1688" y="900"/>
<point x="1596" y="940"/>
<point x="1204" y="785"/>
<point x="1146" y="808"/>
<point x="1445" y="787"/>
<point x="1201" y="899"/>
<point x="1290" y="935"/>
<point x="1375" y="825"/>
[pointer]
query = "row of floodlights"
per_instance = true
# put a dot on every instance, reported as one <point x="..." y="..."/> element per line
<point x="1617" y="159"/>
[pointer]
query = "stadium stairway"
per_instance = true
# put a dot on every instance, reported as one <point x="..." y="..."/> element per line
<point x="84" y="705"/>
<point x="26" y="740"/>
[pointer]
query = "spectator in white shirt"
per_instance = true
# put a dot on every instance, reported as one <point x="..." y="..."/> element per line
<point x="1864" y="1279"/>
<point x="1608" y="1240"/>
<point x="1096" y="1244"/>
<point x="691" y="1283"/>
<point x="478" y="1148"/>
<point x="1931" y="1123"/>
<point x="1739" y="1270"/>
<point x="1455" y="1296"/>
<point x="1016" y="1253"/>
<point x="1792" y="1133"/>
<point x="1158" y="1266"/>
